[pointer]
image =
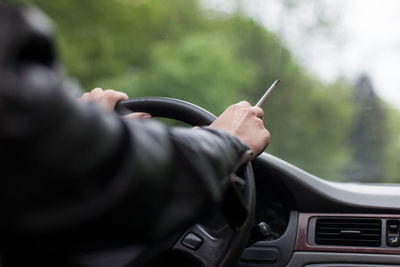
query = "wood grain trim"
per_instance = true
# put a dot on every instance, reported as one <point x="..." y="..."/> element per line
<point x="302" y="233"/>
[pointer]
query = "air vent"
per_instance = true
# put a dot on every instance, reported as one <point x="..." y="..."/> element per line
<point x="348" y="232"/>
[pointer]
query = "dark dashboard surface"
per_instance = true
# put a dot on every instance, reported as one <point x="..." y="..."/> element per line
<point x="287" y="197"/>
<point x="301" y="191"/>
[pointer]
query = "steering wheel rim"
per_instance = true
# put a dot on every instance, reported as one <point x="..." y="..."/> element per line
<point x="212" y="245"/>
<point x="167" y="108"/>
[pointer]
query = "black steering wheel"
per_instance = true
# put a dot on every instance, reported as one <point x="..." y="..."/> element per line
<point x="219" y="240"/>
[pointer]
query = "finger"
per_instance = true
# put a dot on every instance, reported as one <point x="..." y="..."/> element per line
<point x="116" y="95"/>
<point x="96" y="91"/>
<point x="267" y="140"/>
<point x="110" y="98"/>
<point x="95" y="94"/>
<point x="244" y="103"/>
<point x="259" y="112"/>
<point x="138" y="115"/>
<point x="84" y="97"/>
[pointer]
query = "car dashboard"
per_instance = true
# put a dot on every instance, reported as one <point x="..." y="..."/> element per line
<point x="314" y="223"/>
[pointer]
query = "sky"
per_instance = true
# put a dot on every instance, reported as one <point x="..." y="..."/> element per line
<point x="363" y="37"/>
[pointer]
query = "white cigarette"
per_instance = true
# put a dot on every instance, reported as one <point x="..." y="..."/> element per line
<point x="262" y="99"/>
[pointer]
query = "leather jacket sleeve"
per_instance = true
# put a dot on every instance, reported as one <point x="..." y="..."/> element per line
<point x="72" y="174"/>
<point x="73" y="168"/>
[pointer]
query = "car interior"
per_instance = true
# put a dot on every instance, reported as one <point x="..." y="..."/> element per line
<point x="299" y="219"/>
<point x="274" y="213"/>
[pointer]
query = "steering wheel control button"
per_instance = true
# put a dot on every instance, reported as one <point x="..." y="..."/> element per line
<point x="393" y="233"/>
<point x="192" y="241"/>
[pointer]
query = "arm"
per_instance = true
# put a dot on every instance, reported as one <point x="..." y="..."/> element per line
<point x="73" y="173"/>
<point x="109" y="173"/>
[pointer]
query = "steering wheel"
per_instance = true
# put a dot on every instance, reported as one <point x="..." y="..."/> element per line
<point x="219" y="240"/>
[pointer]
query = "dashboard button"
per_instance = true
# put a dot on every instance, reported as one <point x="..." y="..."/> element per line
<point x="392" y="233"/>
<point x="192" y="241"/>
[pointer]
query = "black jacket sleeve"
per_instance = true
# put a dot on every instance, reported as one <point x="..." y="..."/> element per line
<point x="72" y="174"/>
<point x="73" y="170"/>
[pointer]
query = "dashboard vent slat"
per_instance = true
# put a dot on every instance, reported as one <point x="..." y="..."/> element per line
<point x="348" y="232"/>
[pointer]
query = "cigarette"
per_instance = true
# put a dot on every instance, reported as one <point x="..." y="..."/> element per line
<point x="262" y="99"/>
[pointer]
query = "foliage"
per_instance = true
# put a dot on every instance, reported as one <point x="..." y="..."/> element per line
<point x="174" y="48"/>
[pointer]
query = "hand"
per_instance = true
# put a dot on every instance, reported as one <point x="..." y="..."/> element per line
<point x="246" y="123"/>
<point x="108" y="99"/>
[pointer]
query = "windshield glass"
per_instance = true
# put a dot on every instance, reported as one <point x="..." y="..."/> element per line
<point x="336" y="111"/>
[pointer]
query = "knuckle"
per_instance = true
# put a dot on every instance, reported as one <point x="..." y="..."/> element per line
<point x="111" y="94"/>
<point x="245" y="103"/>
<point x="233" y="106"/>
<point x="251" y="112"/>
<point x="110" y="91"/>
<point x="240" y="104"/>
<point x="108" y="95"/>
<point x="259" y="110"/>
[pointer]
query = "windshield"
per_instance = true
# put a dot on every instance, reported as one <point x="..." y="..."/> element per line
<point x="336" y="111"/>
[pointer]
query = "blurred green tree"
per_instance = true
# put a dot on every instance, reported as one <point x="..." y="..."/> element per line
<point x="368" y="137"/>
<point x="175" y="48"/>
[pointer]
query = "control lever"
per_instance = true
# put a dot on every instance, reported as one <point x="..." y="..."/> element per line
<point x="260" y="231"/>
